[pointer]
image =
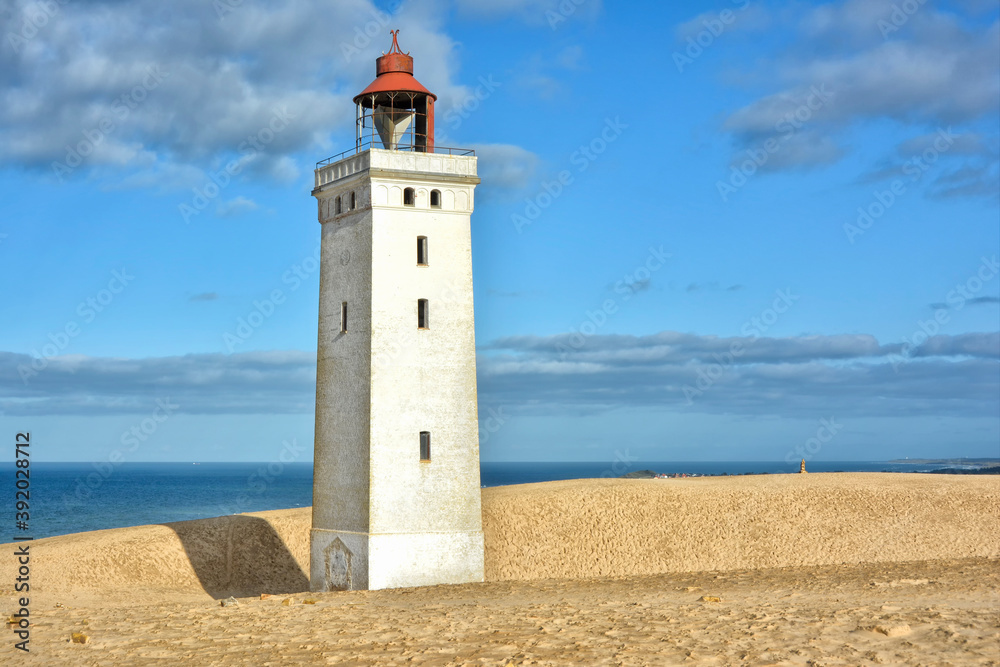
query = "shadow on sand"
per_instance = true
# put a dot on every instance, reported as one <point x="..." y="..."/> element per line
<point x="241" y="556"/>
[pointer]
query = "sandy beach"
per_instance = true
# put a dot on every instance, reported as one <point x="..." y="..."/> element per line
<point x="820" y="569"/>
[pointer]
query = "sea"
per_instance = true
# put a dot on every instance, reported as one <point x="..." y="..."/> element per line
<point x="75" y="497"/>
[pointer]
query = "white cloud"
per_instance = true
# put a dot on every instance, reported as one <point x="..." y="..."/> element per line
<point x="954" y="144"/>
<point x="145" y="87"/>
<point x="236" y="206"/>
<point x="847" y="374"/>
<point x="570" y="57"/>
<point x="740" y="17"/>
<point x="531" y="12"/>
<point x="247" y="383"/>
<point x="935" y="71"/>
<point x="505" y="165"/>
<point x="936" y="154"/>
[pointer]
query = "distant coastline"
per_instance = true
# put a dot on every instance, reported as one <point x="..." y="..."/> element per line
<point x="652" y="474"/>
<point x="959" y="466"/>
<point x="982" y="463"/>
<point x="954" y="467"/>
<point x="992" y="470"/>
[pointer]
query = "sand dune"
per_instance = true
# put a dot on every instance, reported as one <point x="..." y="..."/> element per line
<point x="812" y="569"/>
<point x="613" y="527"/>
<point x="580" y="528"/>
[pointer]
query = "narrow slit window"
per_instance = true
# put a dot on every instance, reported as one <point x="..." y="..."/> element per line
<point x="435" y="199"/>
<point x="425" y="445"/>
<point x="409" y="197"/>
<point x="423" y="321"/>
<point x="343" y="317"/>
<point x="336" y="206"/>
<point x="422" y="250"/>
<point x="353" y="201"/>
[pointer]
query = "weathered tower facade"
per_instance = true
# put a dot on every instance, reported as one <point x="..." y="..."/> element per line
<point x="396" y="494"/>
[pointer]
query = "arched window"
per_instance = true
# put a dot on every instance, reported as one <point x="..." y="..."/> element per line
<point x="353" y="202"/>
<point x="435" y="199"/>
<point x="409" y="197"/>
<point x="336" y="206"/>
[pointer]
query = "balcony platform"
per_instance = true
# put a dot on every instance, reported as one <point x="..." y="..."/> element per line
<point x="457" y="162"/>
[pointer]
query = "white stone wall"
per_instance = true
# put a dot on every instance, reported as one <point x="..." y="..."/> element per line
<point x="343" y="391"/>
<point x="399" y="560"/>
<point x="376" y="505"/>
<point x="362" y="561"/>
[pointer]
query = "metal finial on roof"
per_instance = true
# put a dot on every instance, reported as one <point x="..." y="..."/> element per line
<point x="395" y="45"/>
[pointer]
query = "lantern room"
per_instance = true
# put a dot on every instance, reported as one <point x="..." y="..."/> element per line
<point x="395" y="111"/>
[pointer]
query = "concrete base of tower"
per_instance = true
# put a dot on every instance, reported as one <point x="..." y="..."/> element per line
<point x="362" y="561"/>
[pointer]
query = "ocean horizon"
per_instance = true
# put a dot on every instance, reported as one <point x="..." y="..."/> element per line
<point x="79" y="497"/>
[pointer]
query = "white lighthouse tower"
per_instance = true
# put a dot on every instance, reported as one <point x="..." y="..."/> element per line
<point x="396" y="495"/>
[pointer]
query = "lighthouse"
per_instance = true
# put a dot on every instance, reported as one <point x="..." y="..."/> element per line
<point x="396" y="493"/>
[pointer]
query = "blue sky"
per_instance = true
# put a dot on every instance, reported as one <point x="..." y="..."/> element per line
<point x="703" y="228"/>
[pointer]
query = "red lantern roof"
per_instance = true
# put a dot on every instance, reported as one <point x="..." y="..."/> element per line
<point x="394" y="73"/>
